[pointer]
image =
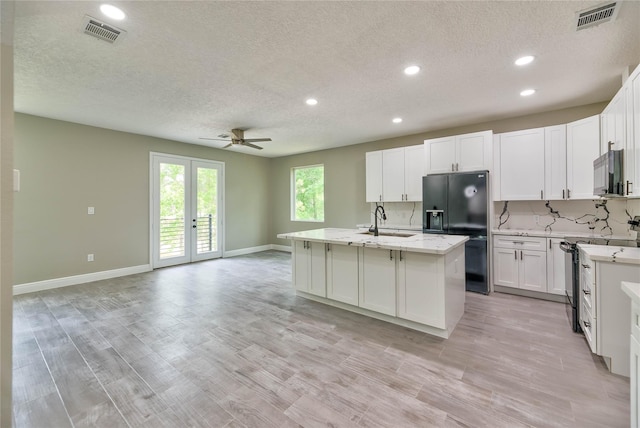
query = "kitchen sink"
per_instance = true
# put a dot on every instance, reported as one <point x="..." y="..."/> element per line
<point x="396" y="234"/>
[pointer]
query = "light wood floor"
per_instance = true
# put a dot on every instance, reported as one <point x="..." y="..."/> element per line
<point x="226" y="343"/>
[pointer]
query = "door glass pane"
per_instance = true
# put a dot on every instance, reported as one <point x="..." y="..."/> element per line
<point x="172" y="210"/>
<point x="207" y="210"/>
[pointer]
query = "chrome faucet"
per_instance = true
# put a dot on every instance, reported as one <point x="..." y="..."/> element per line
<point x="374" y="229"/>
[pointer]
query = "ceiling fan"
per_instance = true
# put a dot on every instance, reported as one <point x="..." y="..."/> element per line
<point x="237" y="138"/>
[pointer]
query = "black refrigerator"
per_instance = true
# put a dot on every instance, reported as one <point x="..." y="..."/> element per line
<point x="458" y="204"/>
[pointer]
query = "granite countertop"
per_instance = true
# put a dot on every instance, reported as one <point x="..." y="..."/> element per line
<point x="556" y="234"/>
<point x="417" y="243"/>
<point x="612" y="253"/>
<point x="632" y="289"/>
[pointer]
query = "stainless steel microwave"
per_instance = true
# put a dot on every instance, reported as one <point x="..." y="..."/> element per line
<point x="607" y="174"/>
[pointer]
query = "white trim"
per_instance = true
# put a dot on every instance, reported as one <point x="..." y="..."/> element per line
<point x="48" y="284"/>
<point x="251" y="250"/>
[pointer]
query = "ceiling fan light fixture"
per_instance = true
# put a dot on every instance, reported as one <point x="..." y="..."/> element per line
<point x="112" y="12"/>
<point x="311" y="101"/>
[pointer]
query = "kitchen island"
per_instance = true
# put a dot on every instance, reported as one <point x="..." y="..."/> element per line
<point x="412" y="279"/>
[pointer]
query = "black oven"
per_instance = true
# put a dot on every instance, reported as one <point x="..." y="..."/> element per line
<point x="572" y="283"/>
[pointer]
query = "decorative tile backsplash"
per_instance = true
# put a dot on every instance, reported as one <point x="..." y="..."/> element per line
<point x="600" y="217"/>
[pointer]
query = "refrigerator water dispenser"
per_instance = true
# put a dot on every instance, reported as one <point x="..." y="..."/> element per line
<point x="434" y="219"/>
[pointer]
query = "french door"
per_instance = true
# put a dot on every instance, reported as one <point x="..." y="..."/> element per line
<point x="186" y="209"/>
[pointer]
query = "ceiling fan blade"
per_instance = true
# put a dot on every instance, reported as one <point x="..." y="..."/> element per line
<point x="250" y="145"/>
<point x="214" y="139"/>
<point x="228" y="145"/>
<point x="256" y="140"/>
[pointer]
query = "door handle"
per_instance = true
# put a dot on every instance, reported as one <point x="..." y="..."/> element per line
<point x="194" y="226"/>
<point x="629" y="191"/>
<point x="457" y="168"/>
<point x="562" y="193"/>
<point x="453" y="168"/>
<point x="400" y="255"/>
<point x="587" y="324"/>
<point x="587" y="292"/>
<point x="515" y="254"/>
<point x="521" y="258"/>
<point x="568" y="193"/>
<point x="541" y="195"/>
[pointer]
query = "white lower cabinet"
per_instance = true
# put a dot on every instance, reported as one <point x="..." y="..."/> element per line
<point x="309" y="267"/>
<point x="520" y="262"/>
<point x="555" y="267"/>
<point x="342" y="273"/>
<point x="419" y="288"/>
<point x="378" y="285"/>
<point x="634" y="351"/>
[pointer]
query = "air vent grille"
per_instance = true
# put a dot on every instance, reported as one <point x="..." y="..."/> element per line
<point x="101" y="30"/>
<point x="597" y="15"/>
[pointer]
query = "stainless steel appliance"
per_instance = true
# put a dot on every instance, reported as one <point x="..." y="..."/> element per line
<point x="572" y="272"/>
<point x="607" y="174"/>
<point x="458" y="204"/>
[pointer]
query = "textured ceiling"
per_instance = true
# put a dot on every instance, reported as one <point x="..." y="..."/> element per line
<point x="189" y="69"/>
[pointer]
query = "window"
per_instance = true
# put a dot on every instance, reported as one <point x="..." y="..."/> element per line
<point x="307" y="193"/>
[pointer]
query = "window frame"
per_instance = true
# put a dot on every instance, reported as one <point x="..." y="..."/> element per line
<point x="293" y="192"/>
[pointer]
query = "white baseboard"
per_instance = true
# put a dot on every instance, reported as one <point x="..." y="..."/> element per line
<point x="251" y="250"/>
<point x="48" y="284"/>
<point x="286" y="248"/>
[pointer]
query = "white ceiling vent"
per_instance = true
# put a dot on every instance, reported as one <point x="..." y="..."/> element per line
<point x="597" y="15"/>
<point x="101" y="30"/>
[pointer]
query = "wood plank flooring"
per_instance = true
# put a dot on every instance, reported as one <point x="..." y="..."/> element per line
<point x="226" y="343"/>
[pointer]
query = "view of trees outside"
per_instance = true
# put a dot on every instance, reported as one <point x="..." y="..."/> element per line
<point x="207" y="205"/>
<point x="309" y="193"/>
<point x="172" y="210"/>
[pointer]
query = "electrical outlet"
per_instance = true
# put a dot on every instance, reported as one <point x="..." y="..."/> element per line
<point x="89" y="257"/>
<point x="91" y="210"/>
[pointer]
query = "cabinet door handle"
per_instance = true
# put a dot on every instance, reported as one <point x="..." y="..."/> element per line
<point x="515" y="254"/>
<point x="587" y="292"/>
<point x="521" y="255"/>
<point x="457" y="167"/>
<point x="562" y="193"/>
<point x="380" y="198"/>
<point x="453" y="168"/>
<point x="586" y="266"/>
<point x="390" y="254"/>
<point x="541" y="195"/>
<point x="328" y="247"/>
<point x="568" y="193"/>
<point x="549" y="243"/>
<point x="400" y="255"/>
<point x="629" y="191"/>
<point x="587" y="324"/>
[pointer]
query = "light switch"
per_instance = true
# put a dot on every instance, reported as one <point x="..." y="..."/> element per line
<point x="91" y="210"/>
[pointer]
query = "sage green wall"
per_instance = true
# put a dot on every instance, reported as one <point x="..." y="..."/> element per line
<point x="345" y="204"/>
<point x="66" y="167"/>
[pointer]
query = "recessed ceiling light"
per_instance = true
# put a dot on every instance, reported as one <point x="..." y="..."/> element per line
<point x="527" y="92"/>
<point x="524" y="60"/>
<point x="397" y="120"/>
<point x="312" y="101"/>
<point x="411" y="70"/>
<point x="112" y="12"/>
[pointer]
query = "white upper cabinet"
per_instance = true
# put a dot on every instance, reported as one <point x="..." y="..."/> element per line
<point x="413" y="172"/>
<point x="632" y="151"/>
<point x="582" y="149"/>
<point x="395" y="175"/>
<point x="440" y="155"/>
<point x="373" y="183"/>
<point x="555" y="162"/>
<point x="613" y="123"/>
<point x="521" y="163"/>
<point x="467" y="152"/>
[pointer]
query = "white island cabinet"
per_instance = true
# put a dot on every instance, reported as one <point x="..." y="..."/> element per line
<point x="416" y="281"/>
